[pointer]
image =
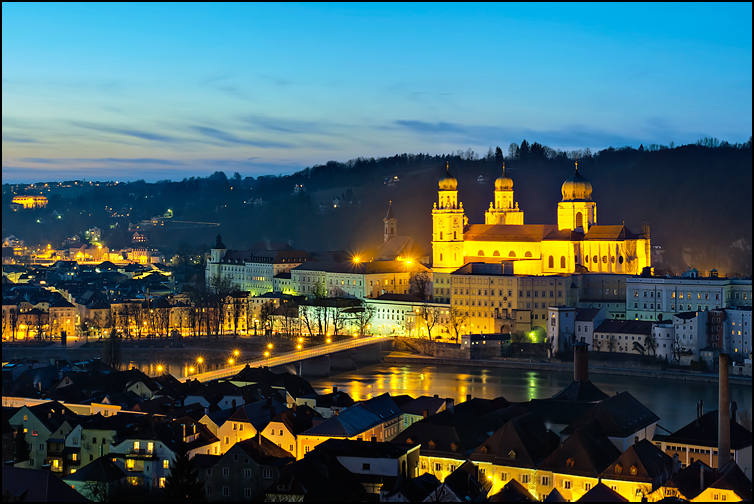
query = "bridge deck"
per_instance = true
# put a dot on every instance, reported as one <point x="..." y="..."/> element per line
<point x="289" y="357"/>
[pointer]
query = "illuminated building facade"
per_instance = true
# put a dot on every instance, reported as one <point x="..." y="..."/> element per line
<point x="30" y="201"/>
<point x="575" y="244"/>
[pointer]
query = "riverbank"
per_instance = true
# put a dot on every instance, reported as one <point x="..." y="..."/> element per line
<point x="691" y="376"/>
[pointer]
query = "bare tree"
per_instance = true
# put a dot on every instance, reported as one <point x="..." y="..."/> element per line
<point x="420" y="283"/>
<point x="611" y="343"/>
<point x="430" y="316"/>
<point x="112" y="353"/>
<point x="237" y="309"/>
<point x="676" y="349"/>
<point x="456" y="320"/>
<point x="651" y="344"/>
<point x="362" y="316"/>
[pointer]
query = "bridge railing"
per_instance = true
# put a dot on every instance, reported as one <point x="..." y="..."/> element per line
<point x="288" y="357"/>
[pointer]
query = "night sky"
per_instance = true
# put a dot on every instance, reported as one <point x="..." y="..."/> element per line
<point x="154" y="91"/>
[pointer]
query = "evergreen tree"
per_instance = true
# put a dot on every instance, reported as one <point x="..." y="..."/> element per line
<point x="183" y="483"/>
<point x="498" y="156"/>
<point x="21" y="450"/>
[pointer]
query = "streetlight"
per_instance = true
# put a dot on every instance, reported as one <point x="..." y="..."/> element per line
<point x="231" y="361"/>
<point x="266" y="354"/>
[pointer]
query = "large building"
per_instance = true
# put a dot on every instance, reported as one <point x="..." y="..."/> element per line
<point x="575" y="244"/>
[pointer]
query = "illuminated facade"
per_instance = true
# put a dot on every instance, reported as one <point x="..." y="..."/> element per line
<point x="575" y="244"/>
<point x="30" y="201"/>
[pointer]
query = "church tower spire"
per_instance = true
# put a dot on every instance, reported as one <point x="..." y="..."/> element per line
<point x="447" y="226"/>
<point x="503" y="210"/>
<point x="391" y="223"/>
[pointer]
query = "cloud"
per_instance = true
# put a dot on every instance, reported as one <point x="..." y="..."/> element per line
<point x="284" y="125"/>
<point x="230" y="138"/>
<point x="144" y="135"/>
<point x="166" y="162"/>
<point x="7" y="137"/>
<point x="426" y="127"/>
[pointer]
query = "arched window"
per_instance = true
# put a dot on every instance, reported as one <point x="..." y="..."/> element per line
<point x="595" y="259"/>
<point x="480" y="253"/>
<point x="454" y="235"/>
<point x="512" y="254"/>
<point x="496" y="253"/>
<point x="527" y="254"/>
<point x="579" y="220"/>
<point x="441" y="235"/>
<point x="551" y="262"/>
<point x="562" y="262"/>
<point x="441" y="257"/>
<point x="604" y="259"/>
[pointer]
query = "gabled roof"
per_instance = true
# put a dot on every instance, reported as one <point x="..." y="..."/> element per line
<point x="258" y="413"/>
<point x="688" y="479"/>
<point x="513" y="491"/>
<point x="264" y="451"/>
<point x="297" y="420"/>
<point x="522" y="442"/>
<point x="417" y="406"/>
<point x="466" y="484"/>
<point x="619" y="416"/>
<point x="586" y="314"/>
<point x="600" y="232"/>
<point x="587" y="452"/>
<point x="650" y="464"/>
<point x="602" y="493"/>
<point x="36" y="485"/>
<point x="53" y="414"/>
<point x="318" y="477"/>
<point x="61" y="303"/>
<point x="703" y="432"/>
<point x="101" y="470"/>
<point x="731" y="477"/>
<point x="581" y="391"/>
<point x="417" y="489"/>
<point x="508" y="232"/>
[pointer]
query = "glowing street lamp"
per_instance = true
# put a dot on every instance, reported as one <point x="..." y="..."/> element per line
<point x="328" y="340"/>
<point x="266" y="354"/>
<point x="235" y="353"/>
<point x="269" y="345"/>
<point x="356" y="259"/>
<point x="159" y="368"/>
<point x="231" y="361"/>
<point x="298" y="347"/>
<point x="199" y="360"/>
<point x="191" y="369"/>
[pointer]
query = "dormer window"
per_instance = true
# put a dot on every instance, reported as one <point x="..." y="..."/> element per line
<point x="512" y="455"/>
<point x="453" y="447"/>
<point x="618" y="468"/>
<point x="633" y="470"/>
<point x="432" y="445"/>
<point x="570" y="462"/>
<point x="484" y="449"/>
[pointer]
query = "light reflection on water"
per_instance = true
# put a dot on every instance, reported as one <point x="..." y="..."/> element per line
<point x="674" y="401"/>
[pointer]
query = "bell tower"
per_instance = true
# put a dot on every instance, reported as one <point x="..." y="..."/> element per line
<point x="391" y="224"/>
<point x="447" y="226"/>
<point x="577" y="211"/>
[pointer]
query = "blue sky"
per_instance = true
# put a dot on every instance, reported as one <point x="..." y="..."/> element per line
<point x="127" y="91"/>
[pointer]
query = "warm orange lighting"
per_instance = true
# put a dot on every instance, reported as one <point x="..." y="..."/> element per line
<point x="356" y="259"/>
<point x="301" y="340"/>
<point x="298" y="347"/>
<point x="235" y="352"/>
<point x="159" y="368"/>
<point x="191" y="369"/>
<point x="199" y="360"/>
<point x="269" y="345"/>
<point x="231" y="361"/>
<point x="266" y="354"/>
<point x="329" y="340"/>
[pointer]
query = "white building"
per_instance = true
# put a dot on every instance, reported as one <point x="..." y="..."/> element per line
<point x="560" y="327"/>
<point x="690" y="332"/>
<point x="587" y="319"/>
<point x="657" y="298"/>
<point x="737" y="342"/>
<point x="663" y="334"/>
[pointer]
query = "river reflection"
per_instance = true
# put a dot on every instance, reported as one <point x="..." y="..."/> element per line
<point x="674" y="401"/>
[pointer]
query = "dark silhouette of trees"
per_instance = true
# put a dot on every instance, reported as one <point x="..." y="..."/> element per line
<point x="183" y="483"/>
<point x="112" y="352"/>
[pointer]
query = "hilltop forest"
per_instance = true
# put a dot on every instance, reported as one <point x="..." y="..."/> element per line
<point x="697" y="199"/>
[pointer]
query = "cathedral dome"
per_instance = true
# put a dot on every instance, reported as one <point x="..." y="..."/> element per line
<point x="504" y="182"/>
<point x="576" y="188"/>
<point x="448" y="182"/>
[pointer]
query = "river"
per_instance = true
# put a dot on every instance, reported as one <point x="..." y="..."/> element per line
<point x="673" y="401"/>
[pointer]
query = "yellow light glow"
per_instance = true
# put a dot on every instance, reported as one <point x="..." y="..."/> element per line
<point x="356" y="259"/>
<point x="301" y="340"/>
<point x="408" y="261"/>
<point x="329" y="340"/>
<point x="235" y="352"/>
<point x="269" y="345"/>
<point x="191" y="369"/>
<point x="266" y="354"/>
<point x="159" y="368"/>
<point x="231" y="361"/>
<point x="298" y="347"/>
<point x="199" y="360"/>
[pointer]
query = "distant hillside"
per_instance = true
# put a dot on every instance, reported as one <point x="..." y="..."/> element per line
<point x="697" y="199"/>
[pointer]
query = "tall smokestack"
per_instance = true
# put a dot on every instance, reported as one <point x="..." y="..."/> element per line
<point x="723" y="418"/>
<point x="581" y="362"/>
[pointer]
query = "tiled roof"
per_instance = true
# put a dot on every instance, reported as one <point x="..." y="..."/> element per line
<point x="703" y="432"/>
<point x="615" y="326"/>
<point x="620" y="416"/>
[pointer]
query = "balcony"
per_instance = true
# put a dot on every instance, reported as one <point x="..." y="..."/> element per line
<point x="141" y="453"/>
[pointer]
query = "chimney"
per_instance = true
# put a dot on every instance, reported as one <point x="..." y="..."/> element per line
<point x="374" y="439"/>
<point x="233" y="405"/>
<point x="723" y="419"/>
<point x="206" y="411"/>
<point x="450" y="404"/>
<point x="334" y="390"/>
<point x="183" y="425"/>
<point x="581" y="362"/>
<point x="468" y="397"/>
<point x="437" y="396"/>
<point x="701" y="478"/>
<point x="733" y="410"/>
<point x="636" y="439"/>
<point x="269" y="402"/>
<point x="676" y="463"/>
<point x="259" y="394"/>
<point x="425" y="413"/>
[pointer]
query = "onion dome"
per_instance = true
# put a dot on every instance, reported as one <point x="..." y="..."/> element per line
<point x="576" y="187"/>
<point x="504" y="182"/>
<point x="448" y="182"/>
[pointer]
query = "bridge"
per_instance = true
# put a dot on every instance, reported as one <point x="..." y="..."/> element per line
<point x="321" y="350"/>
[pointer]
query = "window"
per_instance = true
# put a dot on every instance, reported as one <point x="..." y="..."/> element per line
<point x="136" y="444"/>
<point x="36" y="433"/>
<point x="587" y="486"/>
<point x="166" y="464"/>
<point x="307" y="449"/>
<point x="365" y="467"/>
<point x="438" y="466"/>
<point x="247" y="473"/>
<point x="545" y="481"/>
<point x="226" y="471"/>
<point x="226" y="491"/>
<point x="567" y="484"/>
<point x="162" y="484"/>
<point x="267" y="473"/>
<point x="247" y="493"/>
<point x="41" y="447"/>
<point x="525" y="479"/>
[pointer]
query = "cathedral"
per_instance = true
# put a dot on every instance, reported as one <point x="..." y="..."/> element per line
<point x="576" y="244"/>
